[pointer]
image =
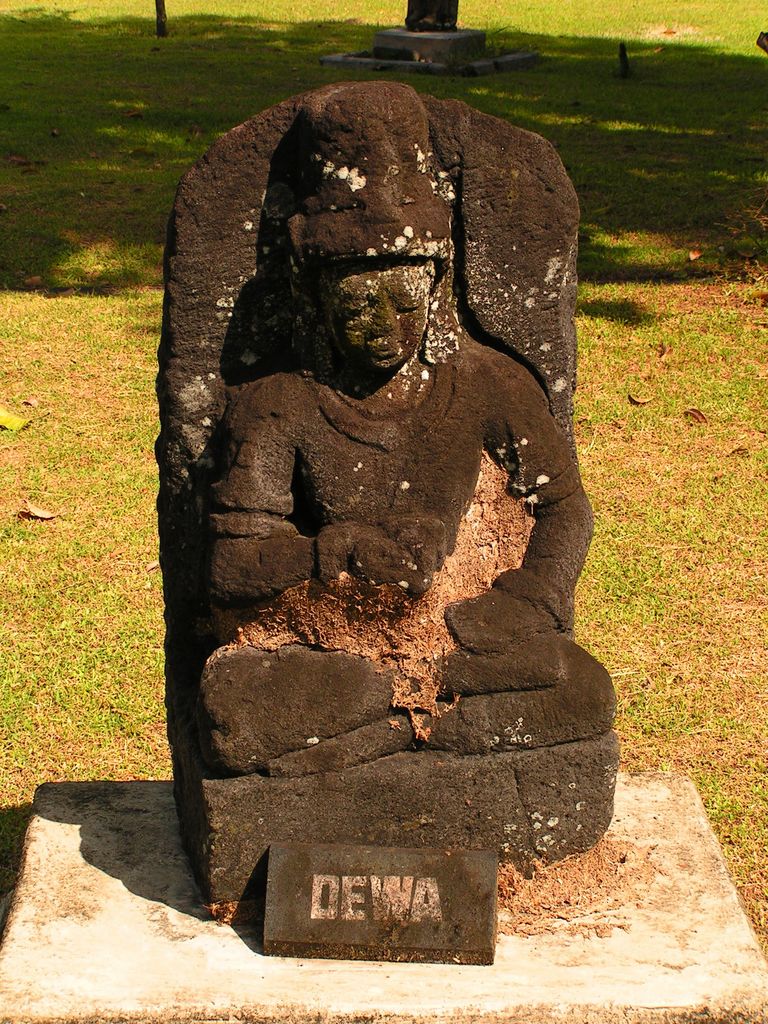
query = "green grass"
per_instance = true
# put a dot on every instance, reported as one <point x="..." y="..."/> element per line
<point x="668" y="160"/>
<point x="98" y="120"/>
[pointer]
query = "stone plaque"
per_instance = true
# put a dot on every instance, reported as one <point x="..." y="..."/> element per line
<point x="381" y="903"/>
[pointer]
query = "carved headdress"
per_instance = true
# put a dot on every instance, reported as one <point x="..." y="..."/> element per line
<point x="366" y="185"/>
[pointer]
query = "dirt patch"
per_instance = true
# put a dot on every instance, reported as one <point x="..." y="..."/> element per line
<point x="384" y="624"/>
<point x="234" y="912"/>
<point x="581" y="895"/>
<point x="671" y="31"/>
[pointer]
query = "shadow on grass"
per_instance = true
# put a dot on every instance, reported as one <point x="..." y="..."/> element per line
<point x="98" y="120"/>
<point x="620" y="311"/>
<point x="13" y="824"/>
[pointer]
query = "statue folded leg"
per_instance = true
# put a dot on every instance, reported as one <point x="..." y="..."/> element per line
<point x="554" y="692"/>
<point x="548" y="692"/>
<point x="256" y="707"/>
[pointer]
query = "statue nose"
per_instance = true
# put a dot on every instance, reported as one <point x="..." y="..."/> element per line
<point x="384" y="317"/>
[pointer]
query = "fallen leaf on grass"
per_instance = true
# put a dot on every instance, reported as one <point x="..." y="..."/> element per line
<point x="30" y="511"/>
<point x="696" y="415"/>
<point x="151" y="566"/>
<point x="741" y="450"/>
<point x="133" y="113"/>
<point x="633" y="400"/>
<point x="35" y="281"/>
<point x="10" y="421"/>
<point x="31" y="402"/>
<point x="694" y="254"/>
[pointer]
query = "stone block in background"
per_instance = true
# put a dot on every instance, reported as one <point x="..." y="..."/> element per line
<point x="448" y="47"/>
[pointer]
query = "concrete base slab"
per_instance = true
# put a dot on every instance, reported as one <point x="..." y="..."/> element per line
<point x="106" y="925"/>
<point x="485" y="66"/>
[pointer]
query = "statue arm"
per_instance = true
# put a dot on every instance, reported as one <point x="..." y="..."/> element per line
<point x="547" y="477"/>
<point x="537" y="597"/>
<point x="256" y="550"/>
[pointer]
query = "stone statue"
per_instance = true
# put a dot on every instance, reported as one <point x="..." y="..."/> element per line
<point x="432" y="15"/>
<point x="372" y="521"/>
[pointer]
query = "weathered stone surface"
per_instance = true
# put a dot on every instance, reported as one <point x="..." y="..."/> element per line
<point x="540" y="663"/>
<point x="258" y="705"/>
<point x="377" y="903"/>
<point x="106" y="927"/>
<point x="581" y="708"/>
<point x="360" y="746"/>
<point x="432" y="799"/>
<point x="483" y="66"/>
<point x="515" y="61"/>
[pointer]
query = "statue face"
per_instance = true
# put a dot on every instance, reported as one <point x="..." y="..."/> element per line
<point x="377" y="316"/>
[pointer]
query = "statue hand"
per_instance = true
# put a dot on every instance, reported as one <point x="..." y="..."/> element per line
<point x="501" y="619"/>
<point x="334" y="549"/>
<point x="405" y="552"/>
<point x="535" y="664"/>
<point x="425" y="539"/>
<point x="363" y="551"/>
<point x="249" y="569"/>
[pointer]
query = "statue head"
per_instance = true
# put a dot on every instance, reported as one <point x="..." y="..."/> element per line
<point x="371" y="239"/>
<point x="376" y="313"/>
<point x="366" y="184"/>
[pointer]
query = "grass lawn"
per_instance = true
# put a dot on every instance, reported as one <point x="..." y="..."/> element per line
<point x="98" y="120"/>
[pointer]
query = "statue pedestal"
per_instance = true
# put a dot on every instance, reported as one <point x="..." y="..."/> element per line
<point x="106" y="925"/>
<point x="458" y="47"/>
<point x="501" y="802"/>
<point x="461" y="52"/>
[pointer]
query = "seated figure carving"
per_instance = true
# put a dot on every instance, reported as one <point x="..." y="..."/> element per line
<point x="372" y="520"/>
<point x="346" y="485"/>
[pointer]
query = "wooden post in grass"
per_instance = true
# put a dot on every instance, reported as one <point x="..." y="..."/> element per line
<point x="162" y="29"/>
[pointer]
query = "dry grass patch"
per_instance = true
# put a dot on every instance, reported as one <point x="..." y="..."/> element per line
<point x="80" y="606"/>
<point x="674" y="599"/>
